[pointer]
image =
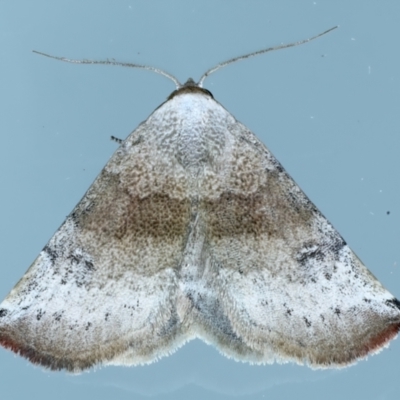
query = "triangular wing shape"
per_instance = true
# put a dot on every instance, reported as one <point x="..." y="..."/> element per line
<point x="192" y="229"/>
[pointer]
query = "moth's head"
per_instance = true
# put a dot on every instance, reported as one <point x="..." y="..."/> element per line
<point x="190" y="86"/>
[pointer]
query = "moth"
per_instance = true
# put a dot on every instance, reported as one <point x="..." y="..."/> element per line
<point x="193" y="229"/>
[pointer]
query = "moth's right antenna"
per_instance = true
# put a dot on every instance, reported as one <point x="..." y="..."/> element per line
<point x="256" y="53"/>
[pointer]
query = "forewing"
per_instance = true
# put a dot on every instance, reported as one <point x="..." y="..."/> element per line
<point x="281" y="277"/>
<point x="104" y="289"/>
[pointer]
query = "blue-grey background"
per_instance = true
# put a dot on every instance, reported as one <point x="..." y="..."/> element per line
<point x="328" y="110"/>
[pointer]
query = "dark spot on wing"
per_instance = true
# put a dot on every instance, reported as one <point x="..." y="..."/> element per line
<point x="288" y="310"/>
<point x="393" y="303"/>
<point x="57" y="315"/>
<point x="40" y="314"/>
<point x="310" y="252"/>
<point x="89" y="265"/>
<point x="328" y="276"/>
<point x="77" y="214"/>
<point x="79" y="269"/>
<point x="367" y="300"/>
<point x="52" y="254"/>
<point x="278" y="165"/>
<point x="3" y="312"/>
<point x="313" y="251"/>
<point x="336" y="244"/>
<point x="74" y="258"/>
<point x="79" y="259"/>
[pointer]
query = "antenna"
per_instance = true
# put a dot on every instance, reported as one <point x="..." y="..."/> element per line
<point x="256" y="53"/>
<point x="170" y="76"/>
<point x="113" y="62"/>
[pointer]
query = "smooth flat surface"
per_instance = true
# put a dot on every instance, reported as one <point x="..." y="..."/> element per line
<point x="328" y="110"/>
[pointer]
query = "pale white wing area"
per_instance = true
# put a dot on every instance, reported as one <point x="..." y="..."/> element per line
<point x="288" y="286"/>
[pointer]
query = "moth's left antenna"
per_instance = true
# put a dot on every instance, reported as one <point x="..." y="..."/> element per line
<point x="113" y="62"/>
